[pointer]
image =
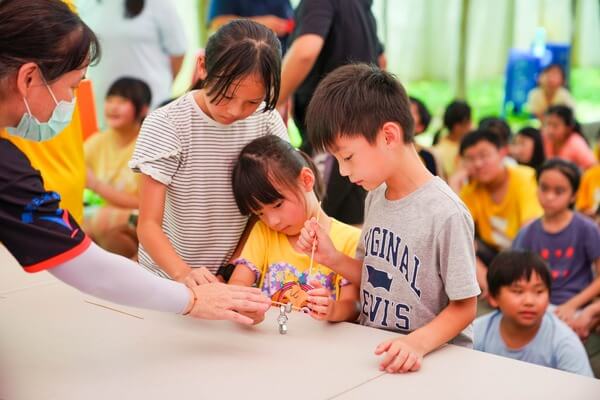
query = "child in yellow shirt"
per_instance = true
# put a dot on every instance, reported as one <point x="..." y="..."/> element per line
<point x="106" y="157"/>
<point x="502" y="199"/>
<point x="281" y="186"/>
<point x="588" y="197"/>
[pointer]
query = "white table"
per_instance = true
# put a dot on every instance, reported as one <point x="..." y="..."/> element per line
<point x="55" y="345"/>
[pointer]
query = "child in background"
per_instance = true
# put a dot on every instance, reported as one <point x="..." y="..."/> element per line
<point x="588" y="197"/>
<point x="550" y="92"/>
<point x="522" y="328"/>
<point x="415" y="260"/>
<point x="281" y="186"/>
<point x="457" y="119"/>
<point x="566" y="240"/>
<point x="501" y="197"/>
<point x="422" y="118"/>
<point x="106" y="157"/>
<point x="562" y="139"/>
<point x="528" y="148"/>
<point x="189" y="224"/>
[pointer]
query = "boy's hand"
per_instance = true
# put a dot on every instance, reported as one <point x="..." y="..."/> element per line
<point x="565" y="312"/>
<point x="402" y="355"/>
<point x="257" y="316"/>
<point x="320" y="302"/>
<point x="325" y="251"/>
<point x="199" y="276"/>
<point x="581" y="325"/>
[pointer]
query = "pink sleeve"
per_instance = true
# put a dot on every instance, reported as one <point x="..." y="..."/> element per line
<point x="579" y="151"/>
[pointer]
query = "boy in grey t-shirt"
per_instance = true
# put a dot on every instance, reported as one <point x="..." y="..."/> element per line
<point x="415" y="261"/>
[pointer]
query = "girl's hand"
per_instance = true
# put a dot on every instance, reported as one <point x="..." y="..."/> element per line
<point x="325" y="251"/>
<point x="199" y="276"/>
<point x="581" y="325"/>
<point x="401" y="355"/>
<point x="320" y="302"/>
<point x="565" y="312"/>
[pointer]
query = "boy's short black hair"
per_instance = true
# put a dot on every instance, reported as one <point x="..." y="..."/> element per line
<point x="135" y="90"/>
<point x="513" y="265"/>
<point x="356" y="100"/>
<point x="424" y="114"/>
<point x="456" y="112"/>
<point x="479" y="135"/>
<point x="498" y="126"/>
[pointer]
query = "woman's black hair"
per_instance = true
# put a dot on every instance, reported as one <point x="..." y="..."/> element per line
<point x="538" y="156"/>
<point x="47" y="33"/>
<point x="133" y="89"/>
<point x="263" y="165"/>
<point x="133" y="8"/>
<point x="511" y="266"/>
<point x="238" y="49"/>
<point x="567" y="168"/>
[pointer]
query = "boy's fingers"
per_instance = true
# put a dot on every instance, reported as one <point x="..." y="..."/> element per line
<point x="382" y="347"/>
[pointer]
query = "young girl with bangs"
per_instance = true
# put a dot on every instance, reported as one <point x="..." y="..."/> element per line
<point x="281" y="186"/>
<point x="566" y="240"/>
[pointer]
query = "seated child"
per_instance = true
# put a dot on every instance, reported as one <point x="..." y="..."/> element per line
<point x="106" y="157"/>
<point x="528" y="147"/>
<point x="422" y="118"/>
<point x="281" y="186"/>
<point x="550" y="92"/>
<point x="457" y="120"/>
<point x="415" y="261"/>
<point x="501" y="197"/>
<point x="522" y="328"/>
<point x="567" y="241"/>
<point x="588" y="197"/>
<point x="562" y="138"/>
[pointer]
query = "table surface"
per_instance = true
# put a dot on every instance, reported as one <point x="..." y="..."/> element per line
<point x="56" y="343"/>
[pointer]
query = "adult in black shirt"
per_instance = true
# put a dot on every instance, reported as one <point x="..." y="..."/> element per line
<point x="329" y="34"/>
<point x="46" y="49"/>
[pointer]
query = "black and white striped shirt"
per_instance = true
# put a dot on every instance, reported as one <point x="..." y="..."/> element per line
<point x="193" y="155"/>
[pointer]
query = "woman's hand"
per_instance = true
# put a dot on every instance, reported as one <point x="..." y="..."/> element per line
<point x="218" y="301"/>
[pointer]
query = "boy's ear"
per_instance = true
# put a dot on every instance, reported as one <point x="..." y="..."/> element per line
<point x="392" y="133"/>
<point x="201" y="67"/>
<point x="503" y="151"/>
<point x="307" y="179"/>
<point x="492" y="300"/>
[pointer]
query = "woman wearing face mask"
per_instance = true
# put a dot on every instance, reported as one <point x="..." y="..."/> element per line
<point x="36" y="103"/>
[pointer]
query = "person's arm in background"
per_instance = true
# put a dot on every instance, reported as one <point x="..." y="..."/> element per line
<point x="156" y="242"/>
<point x="313" y="21"/>
<point x="110" y="194"/>
<point x="172" y="34"/>
<point x="176" y="62"/>
<point x="297" y="63"/>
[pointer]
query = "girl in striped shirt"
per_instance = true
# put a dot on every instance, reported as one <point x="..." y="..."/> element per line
<point x="189" y="224"/>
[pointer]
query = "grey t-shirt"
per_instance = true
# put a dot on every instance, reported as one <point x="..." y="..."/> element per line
<point x="417" y="255"/>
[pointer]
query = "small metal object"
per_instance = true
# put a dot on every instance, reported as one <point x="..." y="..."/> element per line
<point x="283" y="329"/>
<point x="283" y="318"/>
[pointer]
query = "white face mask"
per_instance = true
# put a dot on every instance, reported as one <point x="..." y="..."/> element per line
<point x="32" y="129"/>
